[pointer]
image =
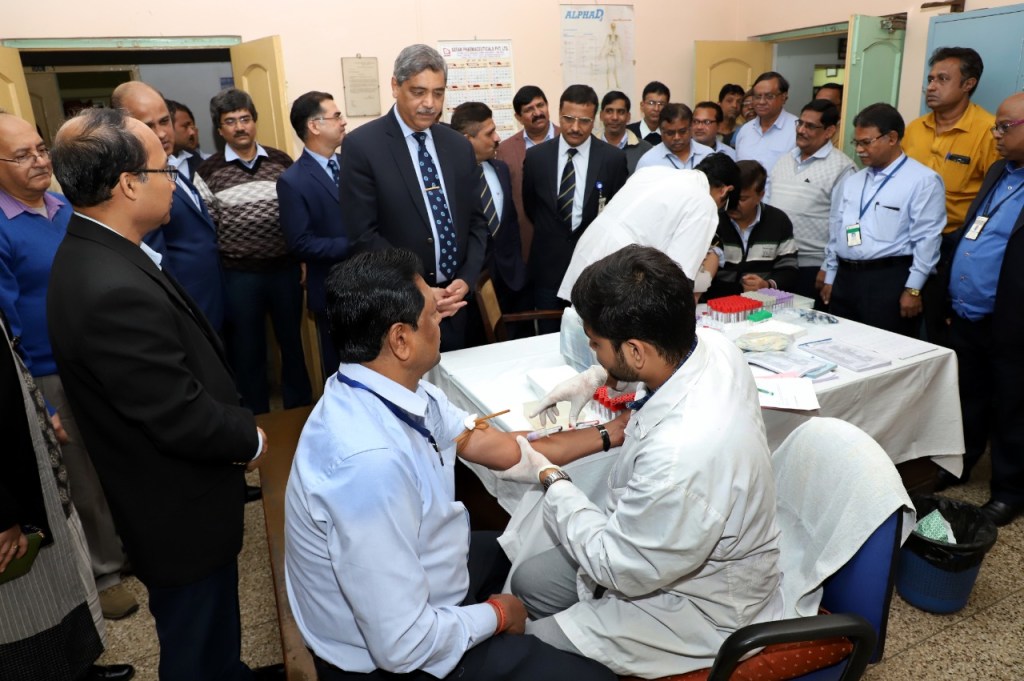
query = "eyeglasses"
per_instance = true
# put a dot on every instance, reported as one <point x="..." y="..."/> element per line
<point x="42" y="154"/>
<point x="703" y="122"/>
<point x="654" y="103"/>
<point x="770" y="97"/>
<point x="582" y="120"/>
<point x="1000" y="128"/>
<point x="804" y="124"/>
<point x="336" y="118"/>
<point x="865" y="143"/>
<point x="682" y="132"/>
<point x="169" y="172"/>
<point x="232" y="122"/>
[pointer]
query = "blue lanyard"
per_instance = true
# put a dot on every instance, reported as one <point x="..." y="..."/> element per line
<point x="989" y="210"/>
<point x="401" y="414"/>
<point x="864" y="206"/>
<point x="635" y="405"/>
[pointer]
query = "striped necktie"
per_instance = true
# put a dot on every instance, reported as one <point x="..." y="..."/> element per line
<point x="487" y="201"/>
<point x="567" y="189"/>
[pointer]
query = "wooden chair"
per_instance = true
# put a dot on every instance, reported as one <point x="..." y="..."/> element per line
<point x="495" y="323"/>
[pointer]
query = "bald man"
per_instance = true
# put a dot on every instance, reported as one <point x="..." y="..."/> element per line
<point x="32" y="224"/>
<point x="156" y="401"/>
<point x="188" y="242"/>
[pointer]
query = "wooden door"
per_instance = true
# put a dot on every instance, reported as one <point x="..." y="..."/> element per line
<point x="728" y="61"/>
<point x="14" y="97"/>
<point x="874" y="57"/>
<point x="258" y="68"/>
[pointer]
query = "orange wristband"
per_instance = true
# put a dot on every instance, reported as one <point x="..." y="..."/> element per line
<point x="500" y="612"/>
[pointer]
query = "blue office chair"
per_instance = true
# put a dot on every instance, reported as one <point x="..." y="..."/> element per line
<point x="859" y="592"/>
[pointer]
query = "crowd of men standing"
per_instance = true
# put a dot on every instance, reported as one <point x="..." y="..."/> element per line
<point x="926" y="230"/>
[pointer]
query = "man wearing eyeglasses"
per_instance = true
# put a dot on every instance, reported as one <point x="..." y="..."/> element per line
<point x="33" y="222"/>
<point x="262" y="277"/>
<point x="188" y="242"/>
<point x="307" y="194"/>
<point x="885" y="231"/>
<point x="953" y="140"/>
<point x="655" y="97"/>
<point x="677" y="148"/>
<point x="615" y="121"/>
<point x="770" y="135"/>
<point x="806" y="185"/>
<point x="565" y="183"/>
<point x="707" y="117"/>
<point x="985" y="286"/>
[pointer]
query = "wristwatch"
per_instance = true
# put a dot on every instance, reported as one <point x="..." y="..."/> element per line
<point x="553" y="477"/>
<point x="916" y="292"/>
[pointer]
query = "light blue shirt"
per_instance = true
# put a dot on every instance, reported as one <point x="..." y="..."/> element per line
<point x="550" y="136"/>
<point x="581" y="162"/>
<point x="230" y="155"/>
<point x="721" y="148"/>
<point x="661" y="155"/>
<point x="414" y="156"/>
<point x="376" y="547"/>
<point x="494" y="185"/>
<point x="765" y="147"/>
<point x="974" y="276"/>
<point x="905" y="218"/>
<point x="322" y="160"/>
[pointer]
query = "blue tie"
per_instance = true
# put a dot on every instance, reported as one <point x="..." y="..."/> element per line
<point x="439" y="209"/>
<point x="332" y="165"/>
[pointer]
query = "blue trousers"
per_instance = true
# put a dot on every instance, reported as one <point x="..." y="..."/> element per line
<point x="251" y="296"/>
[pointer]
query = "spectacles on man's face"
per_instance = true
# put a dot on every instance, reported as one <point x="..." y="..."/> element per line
<point x="865" y="143"/>
<point x="232" y="122"/>
<point x="582" y="120"/>
<point x="169" y="172"/>
<point x="335" y="118"/>
<point x="999" y="128"/>
<point x="41" y="155"/>
<point x="799" y="123"/>
<point x="681" y="132"/>
<point x="654" y="103"/>
<point x="703" y="122"/>
<point x="768" y="97"/>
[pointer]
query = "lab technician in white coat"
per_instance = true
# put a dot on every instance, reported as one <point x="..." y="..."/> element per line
<point x="684" y="550"/>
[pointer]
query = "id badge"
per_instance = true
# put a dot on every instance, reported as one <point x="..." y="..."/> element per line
<point x="976" y="227"/>
<point x="853" y="235"/>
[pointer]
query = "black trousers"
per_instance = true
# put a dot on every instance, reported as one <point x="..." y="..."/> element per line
<point x="500" y="658"/>
<point x="873" y="297"/>
<point x="200" y="629"/>
<point x="992" y="404"/>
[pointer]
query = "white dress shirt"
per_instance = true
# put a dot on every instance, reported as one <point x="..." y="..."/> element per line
<point x="491" y="175"/>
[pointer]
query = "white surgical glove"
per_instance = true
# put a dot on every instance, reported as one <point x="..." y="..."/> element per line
<point x="578" y="391"/>
<point x="531" y="463"/>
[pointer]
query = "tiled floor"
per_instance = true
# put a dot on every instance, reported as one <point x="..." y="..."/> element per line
<point x="983" y="642"/>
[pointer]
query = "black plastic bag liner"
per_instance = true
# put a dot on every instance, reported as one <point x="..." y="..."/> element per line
<point x="974" y="533"/>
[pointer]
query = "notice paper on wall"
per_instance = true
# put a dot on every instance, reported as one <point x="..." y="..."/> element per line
<point x="481" y="71"/>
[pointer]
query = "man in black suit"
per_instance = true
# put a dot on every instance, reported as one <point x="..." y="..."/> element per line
<point x="986" y="286"/>
<point x="188" y="242"/>
<point x="156" y="402"/>
<point x="409" y="183"/>
<point x="307" y="196"/>
<point x="655" y="98"/>
<point x="566" y="182"/>
<point x="504" y="245"/>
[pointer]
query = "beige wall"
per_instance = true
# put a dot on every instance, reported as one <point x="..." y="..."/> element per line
<point x="314" y="40"/>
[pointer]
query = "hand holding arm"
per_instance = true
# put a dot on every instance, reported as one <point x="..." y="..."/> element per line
<point x="578" y="391"/>
<point x="530" y="465"/>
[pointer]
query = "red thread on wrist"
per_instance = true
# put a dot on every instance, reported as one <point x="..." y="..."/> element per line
<point x="500" y="612"/>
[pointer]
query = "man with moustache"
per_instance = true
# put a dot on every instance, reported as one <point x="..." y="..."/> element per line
<point x="730" y="98"/>
<point x="806" y="185"/>
<point x="504" y="249"/>
<point x="530" y="105"/>
<point x="614" y="119"/>
<point x="155" y="399"/>
<point x="770" y="135"/>
<point x="186" y="138"/>
<point x="407" y="182"/>
<point x="565" y="183"/>
<point x="261" y="276"/>
<point x="188" y="242"/>
<point x="985" y="286"/>
<point x="705" y="126"/>
<point x="884" y="234"/>
<point x="307" y="194"/>
<point x="677" y="148"/>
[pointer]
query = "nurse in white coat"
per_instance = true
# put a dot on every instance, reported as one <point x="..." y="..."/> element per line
<point x="684" y="550"/>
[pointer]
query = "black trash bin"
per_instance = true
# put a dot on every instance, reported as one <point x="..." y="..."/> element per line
<point x="936" y="576"/>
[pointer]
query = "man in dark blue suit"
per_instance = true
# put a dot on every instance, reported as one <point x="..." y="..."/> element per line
<point x="188" y="243"/>
<point x="409" y="183"/>
<point x="504" y="246"/>
<point x="307" y="194"/>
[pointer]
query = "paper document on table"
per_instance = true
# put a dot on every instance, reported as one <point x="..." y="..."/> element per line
<point x="787" y="393"/>
<point x="798" y="364"/>
<point x="846" y="355"/>
<point x="891" y="345"/>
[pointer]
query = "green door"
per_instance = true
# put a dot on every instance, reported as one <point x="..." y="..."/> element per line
<point x="874" y="56"/>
